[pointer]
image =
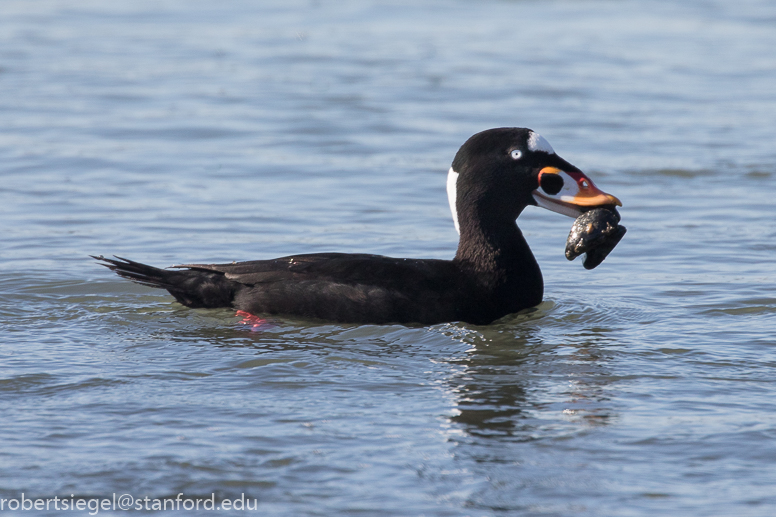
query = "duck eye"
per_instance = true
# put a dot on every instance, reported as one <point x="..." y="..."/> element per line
<point x="516" y="154"/>
<point x="551" y="183"/>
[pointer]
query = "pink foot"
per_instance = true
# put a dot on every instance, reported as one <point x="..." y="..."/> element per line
<point x="254" y="322"/>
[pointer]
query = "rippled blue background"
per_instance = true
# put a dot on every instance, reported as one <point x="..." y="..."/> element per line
<point x="177" y="131"/>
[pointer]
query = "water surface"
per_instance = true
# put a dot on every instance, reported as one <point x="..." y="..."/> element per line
<point x="194" y="132"/>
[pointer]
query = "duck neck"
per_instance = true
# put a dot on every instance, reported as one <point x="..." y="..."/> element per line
<point x="494" y="247"/>
<point x="500" y="256"/>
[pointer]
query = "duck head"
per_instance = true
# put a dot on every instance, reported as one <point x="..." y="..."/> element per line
<point x="498" y="172"/>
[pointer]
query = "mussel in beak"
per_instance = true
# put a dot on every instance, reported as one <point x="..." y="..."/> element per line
<point x="595" y="233"/>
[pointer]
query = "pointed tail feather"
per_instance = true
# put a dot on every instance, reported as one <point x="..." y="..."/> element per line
<point x="203" y="289"/>
<point x="137" y="272"/>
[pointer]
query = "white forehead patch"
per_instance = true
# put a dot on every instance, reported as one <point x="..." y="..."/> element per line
<point x="536" y="142"/>
<point x="452" y="180"/>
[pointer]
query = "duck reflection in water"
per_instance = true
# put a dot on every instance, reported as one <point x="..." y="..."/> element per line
<point x="515" y="383"/>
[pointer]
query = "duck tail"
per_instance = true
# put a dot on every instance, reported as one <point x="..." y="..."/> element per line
<point x="192" y="288"/>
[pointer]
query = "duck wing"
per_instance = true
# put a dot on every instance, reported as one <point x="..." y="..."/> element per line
<point x="342" y="267"/>
<point x="348" y="288"/>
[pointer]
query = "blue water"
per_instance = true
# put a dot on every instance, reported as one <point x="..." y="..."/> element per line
<point x="175" y="131"/>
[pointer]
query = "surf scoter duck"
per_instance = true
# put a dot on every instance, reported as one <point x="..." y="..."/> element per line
<point x="494" y="176"/>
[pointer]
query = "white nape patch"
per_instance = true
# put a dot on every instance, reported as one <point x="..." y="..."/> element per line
<point x="452" y="180"/>
<point x="536" y="142"/>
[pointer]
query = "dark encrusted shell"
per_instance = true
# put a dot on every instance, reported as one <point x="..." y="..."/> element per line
<point x="595" y="233"/>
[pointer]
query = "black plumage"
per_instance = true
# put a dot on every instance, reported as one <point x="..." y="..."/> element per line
<point x="492" y="274"/>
